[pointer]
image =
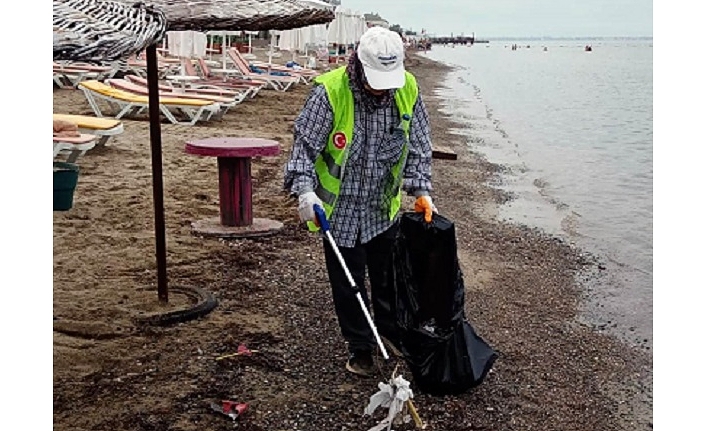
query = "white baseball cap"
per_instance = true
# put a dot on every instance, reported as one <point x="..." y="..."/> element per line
<point x="381" y="52"/>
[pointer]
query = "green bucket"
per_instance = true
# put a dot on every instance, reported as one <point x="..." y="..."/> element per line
<point x="65" y="179"/>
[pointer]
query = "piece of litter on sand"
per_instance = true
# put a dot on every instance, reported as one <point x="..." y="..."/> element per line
<point x="242" y="351"/>
<point x="415" y="415"/>
<point x="229" y="408"/>
<point x="396" y="396"/>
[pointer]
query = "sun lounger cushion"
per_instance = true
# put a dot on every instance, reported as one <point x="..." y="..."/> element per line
<point x="88" y="122"/>
<point x="115" y="93"/>
<point x="131" y="87"/>
<point x="82" y="138"/>
<point x="256" y="69"/>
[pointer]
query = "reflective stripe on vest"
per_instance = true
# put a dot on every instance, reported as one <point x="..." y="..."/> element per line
<point x="330" y="164"/>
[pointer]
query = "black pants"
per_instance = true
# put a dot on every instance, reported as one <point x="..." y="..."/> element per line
<point x="375" y="255"/>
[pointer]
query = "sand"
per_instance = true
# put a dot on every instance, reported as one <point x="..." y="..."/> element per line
<point x="111" y="372"/>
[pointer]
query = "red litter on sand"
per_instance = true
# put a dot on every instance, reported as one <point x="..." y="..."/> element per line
<point x="229" y="408"/>
<point x="243" y="350"/>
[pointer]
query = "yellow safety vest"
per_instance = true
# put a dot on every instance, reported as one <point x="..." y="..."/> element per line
<point x="330" y="164"/>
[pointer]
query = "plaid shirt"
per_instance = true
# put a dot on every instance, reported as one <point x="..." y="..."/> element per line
<point x="360" y="213"/>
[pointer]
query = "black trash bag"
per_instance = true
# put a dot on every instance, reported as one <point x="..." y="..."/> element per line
<point x="441" y="348"/>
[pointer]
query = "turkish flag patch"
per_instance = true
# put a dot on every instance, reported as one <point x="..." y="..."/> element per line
<point x="339" y="140"/>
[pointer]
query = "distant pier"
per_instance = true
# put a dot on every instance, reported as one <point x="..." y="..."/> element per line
<point x="458" y="40"/>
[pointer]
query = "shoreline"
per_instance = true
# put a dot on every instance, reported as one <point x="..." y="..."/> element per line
<point x="580" y="267"/>
<point x="583" y="265"/>
<point x="552" y="373"/>
<point x="616" y="301"/>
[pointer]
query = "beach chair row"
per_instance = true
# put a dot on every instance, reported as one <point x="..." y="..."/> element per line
<point x="202" y="99"/>
<point x="193" y="94"/>
<point x="129" y="97"/>
<point x="276" y="77"/>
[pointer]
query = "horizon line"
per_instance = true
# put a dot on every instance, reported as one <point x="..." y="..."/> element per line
<point x="481" y="37"/>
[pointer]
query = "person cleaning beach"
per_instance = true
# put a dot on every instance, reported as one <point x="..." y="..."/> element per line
<point x="361" y="140"/>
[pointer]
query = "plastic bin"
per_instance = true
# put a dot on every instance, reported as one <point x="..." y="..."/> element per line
<point x="65" y="180"/>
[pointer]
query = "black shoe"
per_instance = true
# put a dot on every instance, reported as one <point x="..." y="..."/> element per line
<point x="361" y="363"/>
<point x="391" y="347"/>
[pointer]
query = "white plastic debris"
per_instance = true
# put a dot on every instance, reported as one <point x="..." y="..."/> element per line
<point x="393" y="396"/>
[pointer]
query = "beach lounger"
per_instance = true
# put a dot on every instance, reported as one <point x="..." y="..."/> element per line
<point x="123" y="84"/>
<point x="251" y="87"/>
<point x="139" y="67"/>
<point x="69" y="75"/>
<point x="236" y="94"/>
<point x="126" y="103"/>
<point x="104" y="128"/>
<point x="255" y="85"/>
<point x="305" y="75"/>
<point x="274" y="81"/>
<point x="74" y="147"/>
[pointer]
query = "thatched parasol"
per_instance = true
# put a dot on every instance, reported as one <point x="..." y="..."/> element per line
<point x="90" y="29"/>
<point x="104" y="30"/>
<point x="256" y="15"/>
<point x="94" y="30"/>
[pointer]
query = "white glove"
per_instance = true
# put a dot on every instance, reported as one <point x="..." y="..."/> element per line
<point x="306" y="206"/>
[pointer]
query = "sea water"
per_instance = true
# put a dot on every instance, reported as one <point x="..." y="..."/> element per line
<point x="574" y="130"/>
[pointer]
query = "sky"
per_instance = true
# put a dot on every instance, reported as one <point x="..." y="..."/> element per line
<point x="516" y="18"/>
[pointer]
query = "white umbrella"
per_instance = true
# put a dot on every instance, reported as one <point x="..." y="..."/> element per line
<point x="299" y="39"/>
<point x="305" y="40"/>
<point x="186" y="44"/>
<point x="361" y="28"/>
<point x="289" y="41"/>
<point x="310" y="36"/>
<point x="319" y="34"/>
<point x="225" y="35"/>
<point x="273" y="42"/>
<point x="347" y="27"/>
<point x="250" y="35"/>
<point x="351" y="24"/>
<point x="336" y="29"/>
<point x="302" y="39"/>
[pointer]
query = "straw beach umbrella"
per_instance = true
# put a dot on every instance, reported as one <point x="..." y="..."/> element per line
<point x="94" y="30"/>
<point x="254" y="15"/>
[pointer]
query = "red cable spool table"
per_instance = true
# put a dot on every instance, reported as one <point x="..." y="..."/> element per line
<point x="234" y="186"/>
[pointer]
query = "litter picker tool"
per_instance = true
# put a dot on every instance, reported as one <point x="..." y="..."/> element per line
<point x="325" y="228"/>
